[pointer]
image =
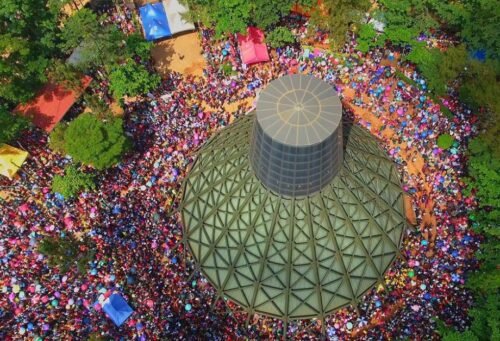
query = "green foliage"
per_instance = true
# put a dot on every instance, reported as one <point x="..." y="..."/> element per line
<point x="267" y="13"/>
<point x="478" y="25"/>
<point x="445" y="141"/>
<point x="227" y="69"/>
<point x="136" y="45"/>
<point x="485" y="324"/>
<point x="280" y="36"/>
<point x="234" y="16"/>
<point x="484" y="175"/>
<point x="231" y="16"/>
<point x="450" y="334"/>
<point x="94" y="142"/>
<point x="132" y="79"/>
<point x="439" y="68"/>
<point x="66" y="74"/>
<point x="27" y="42"/>
<point x="80" y="26"/>
<point x="367" y="38"/>
<point x="65" y="253"/>
<point x="340" y="15"/>
<point x="56" y="138"/>
<point x="408" y="17"/>
<point x="22" y="68"/>
<point x="481" y="85"/>
<point x="97" y="106"/>
<point x="72" y="182"/>
<point x="99" y="46"/>
<point x="11" y="125"/>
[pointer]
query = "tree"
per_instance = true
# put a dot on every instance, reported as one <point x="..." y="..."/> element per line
<point x="66" y="75"/>
<point x="72" y="182"/>
<point x="484" y="175"/>
<point x="56" y="138"/>
<point x="11" y="125"/>
<point x="132" y="79"/>
<point x="137" y="46"/>
<point x="479" y="26"/>
<point x="367" y="38"/>
<point x="97" y="106"/>
<point x="481" y="85"/>
<point x="439" y="68"/>
<point x="22" y="68"/>
<point x="94" y="142"/>
<point x="65" y="252"/>
<point x="231" y="16"/>
<point x="337" y="16"/>
<point x="279" y="37"/>
<point x="267" y="13"/>
<point x="99" y="46"/>
<point x="27" y="42"/>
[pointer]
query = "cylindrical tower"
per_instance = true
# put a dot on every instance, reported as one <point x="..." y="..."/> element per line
<point x="296" y="143"/>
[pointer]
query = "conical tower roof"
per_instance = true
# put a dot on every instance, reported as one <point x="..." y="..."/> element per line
<point x="292" y="257"/>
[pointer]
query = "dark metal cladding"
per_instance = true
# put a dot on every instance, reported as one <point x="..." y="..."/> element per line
<point x="296" y="144"/>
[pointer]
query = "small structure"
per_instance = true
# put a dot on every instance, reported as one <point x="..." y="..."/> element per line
<point x="174" y="11"/>
<point x="252" y="47"/>
<point x="154" y="21"/>
<point x="11" y="159"/>
<point x="51" y="104"/>
<point x="117" y="309"/>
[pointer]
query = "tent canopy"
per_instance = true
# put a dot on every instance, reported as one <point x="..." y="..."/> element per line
<point x="117" y="309"/>
<point x="174" y="14"/>
<point x="252" y="47"/>
<point x="154" y="21"/>
<point x="11" y="159"/>
<point x="50" y="105"/>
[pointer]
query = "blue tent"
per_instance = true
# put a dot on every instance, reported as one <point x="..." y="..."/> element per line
<point x="154" y="20"/>
<point x="117" y="309"/>
<point x="479" y="55"/>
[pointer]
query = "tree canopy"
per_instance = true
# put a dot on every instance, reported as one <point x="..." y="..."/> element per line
<point x="99" y="45"/>
<point x="131" y="79"/>
<point x="73" y="181"/>
<point x="28" y="40"/>
<point x="94" y="142"/>
<point x="65" y="252"/>
<point x="280" y="36"/>
<point x="11" y="125"/>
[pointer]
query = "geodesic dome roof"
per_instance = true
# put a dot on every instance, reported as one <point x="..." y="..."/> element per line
<point x="292" y="258"/>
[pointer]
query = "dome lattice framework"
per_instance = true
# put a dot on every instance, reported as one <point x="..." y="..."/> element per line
<point x="292" y="258"/>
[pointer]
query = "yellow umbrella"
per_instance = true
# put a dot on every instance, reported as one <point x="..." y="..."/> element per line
<point x="11" y="159"/>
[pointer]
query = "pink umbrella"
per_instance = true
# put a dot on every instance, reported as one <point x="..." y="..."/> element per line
<point x="68" y="222"/>
<point x="24" y="207"/>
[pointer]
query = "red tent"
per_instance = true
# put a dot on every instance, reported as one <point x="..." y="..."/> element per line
<point x="50" y="105"/>
<point x="252" y="47"/>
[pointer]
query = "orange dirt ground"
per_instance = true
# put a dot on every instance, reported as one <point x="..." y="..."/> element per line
<point x="182" y="54"/>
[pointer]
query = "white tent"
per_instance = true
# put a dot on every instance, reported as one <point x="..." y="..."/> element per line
<point x="174" y="12"/>
<point x="76" y="56"/>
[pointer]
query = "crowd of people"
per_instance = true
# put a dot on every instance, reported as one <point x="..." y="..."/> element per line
<point x="135" y="228"/>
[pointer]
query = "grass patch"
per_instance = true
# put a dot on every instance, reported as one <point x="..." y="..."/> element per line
<point x="445" y="141"/>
